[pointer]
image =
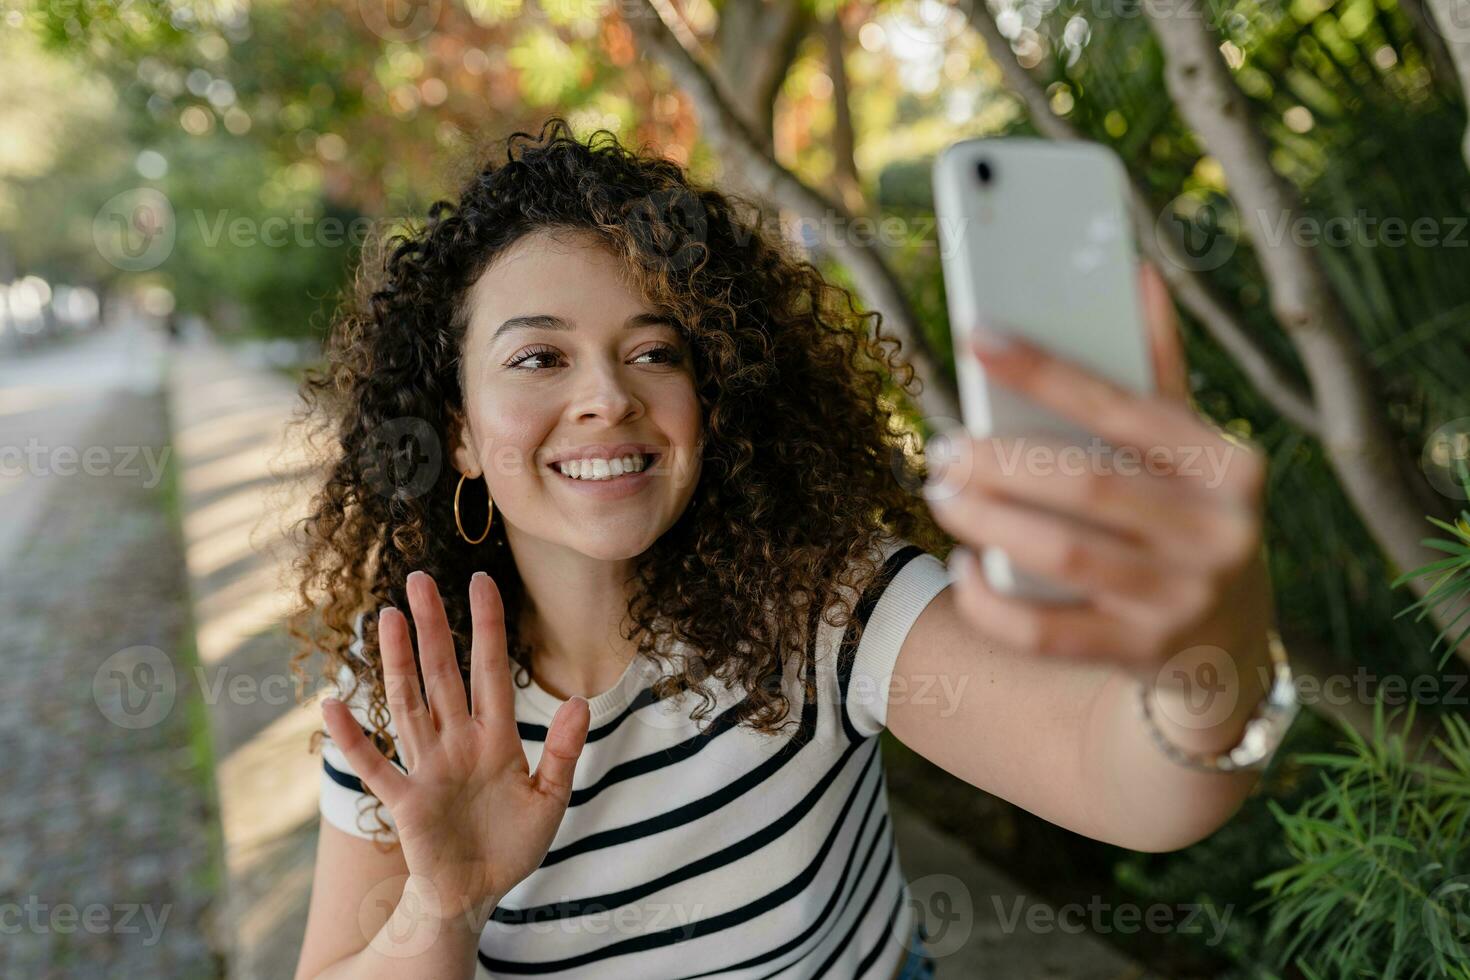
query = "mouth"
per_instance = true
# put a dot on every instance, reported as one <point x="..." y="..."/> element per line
<point x="605" y="470"/>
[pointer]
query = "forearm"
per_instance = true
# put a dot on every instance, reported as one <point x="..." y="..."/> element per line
<point x="1159" y="804"/>
<point x="414" y="943"/>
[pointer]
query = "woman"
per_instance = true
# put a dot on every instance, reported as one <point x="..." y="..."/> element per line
<point x="672" y="582"/>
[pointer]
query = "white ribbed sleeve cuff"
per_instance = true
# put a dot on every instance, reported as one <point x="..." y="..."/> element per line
<point x="919" y="581"/>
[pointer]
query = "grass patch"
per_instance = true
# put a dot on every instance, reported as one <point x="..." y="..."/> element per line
<point x="201" y="742"/>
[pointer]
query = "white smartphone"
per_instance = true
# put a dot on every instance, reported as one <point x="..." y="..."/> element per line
<point x="1035" y="240"/>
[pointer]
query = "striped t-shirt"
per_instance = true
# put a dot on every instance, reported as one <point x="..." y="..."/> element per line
<point x="720" y="852"/>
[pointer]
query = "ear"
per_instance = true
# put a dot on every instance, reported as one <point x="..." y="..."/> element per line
<point x="1171" y="372"/>
<point x="461" y="453"/>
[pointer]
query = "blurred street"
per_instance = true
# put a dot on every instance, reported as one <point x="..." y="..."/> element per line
<point x="108" y="830"/>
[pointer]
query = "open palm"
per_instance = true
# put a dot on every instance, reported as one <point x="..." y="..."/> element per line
<point x="472" y="819"/>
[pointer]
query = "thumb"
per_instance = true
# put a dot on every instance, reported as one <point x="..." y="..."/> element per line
<point x="1171" y="373"/>
<point x="564" y="741"/>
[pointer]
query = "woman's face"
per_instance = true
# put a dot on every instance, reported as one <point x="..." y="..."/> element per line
<point x="564" y="357"/>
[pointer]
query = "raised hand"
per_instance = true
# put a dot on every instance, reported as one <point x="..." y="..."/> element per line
<point x="472" y="819"/>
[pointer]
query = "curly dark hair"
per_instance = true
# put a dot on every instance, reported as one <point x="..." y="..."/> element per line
<point x="808" y="460"/>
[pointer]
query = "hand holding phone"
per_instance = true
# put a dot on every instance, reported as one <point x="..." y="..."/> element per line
<point x="1158" y="552"/>
<point x="1035" y="241"/>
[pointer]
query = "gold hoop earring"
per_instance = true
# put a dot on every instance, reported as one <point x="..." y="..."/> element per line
<point x="489" y="518"/>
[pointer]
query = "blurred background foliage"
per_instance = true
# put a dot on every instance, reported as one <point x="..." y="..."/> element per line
<point x="310" y="117"/>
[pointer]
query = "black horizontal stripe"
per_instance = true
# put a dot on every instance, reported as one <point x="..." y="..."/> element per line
<point x="726" y="721"/>
<point x="841" y="890"/>
<point x="701" y="927"/>
<point x="342" y="779"/>
<point x="879" y="835"/>
<point x="847" y="653"/>
<point x="866" y="963"/>
<point x="531" y="732"/>
<point x="346" y="779"/>
<point x="727" y="855"/>
<point x="707" y="804"/>
<point x="863" y="915"/>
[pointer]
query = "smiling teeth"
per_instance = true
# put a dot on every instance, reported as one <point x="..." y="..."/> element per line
<point x="601" y="469"/>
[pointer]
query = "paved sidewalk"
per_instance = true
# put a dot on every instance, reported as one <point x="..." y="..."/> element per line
<point x="229" y="417"/>
<point x="107" y="823"/>
<point x="229" y="437"/>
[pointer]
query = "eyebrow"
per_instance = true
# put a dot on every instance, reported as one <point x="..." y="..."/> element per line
<point x="543" y="321"/>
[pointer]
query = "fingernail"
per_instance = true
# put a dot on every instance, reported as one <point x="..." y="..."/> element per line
<point x="962" y="563"/>
<point x="381" y="611"/>
<point x="478" y="575"/>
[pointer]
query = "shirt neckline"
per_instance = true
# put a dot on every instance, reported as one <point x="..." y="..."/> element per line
<point x="604" y="706"/>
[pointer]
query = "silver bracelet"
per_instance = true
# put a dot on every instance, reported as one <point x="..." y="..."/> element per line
<point x="1263" y="732"/>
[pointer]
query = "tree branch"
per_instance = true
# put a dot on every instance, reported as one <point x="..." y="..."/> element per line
<point x="743" y="152"/>
<point x="1195" y="292"/>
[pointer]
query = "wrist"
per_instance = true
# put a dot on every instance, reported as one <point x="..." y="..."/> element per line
<point x="1203" y="697"/>
<point x="424" y="901"/>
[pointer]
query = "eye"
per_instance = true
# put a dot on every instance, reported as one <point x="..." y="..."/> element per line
<point x="671" y="355"/>
<point x="531" y="353"/>
<point x="668" y="355"/>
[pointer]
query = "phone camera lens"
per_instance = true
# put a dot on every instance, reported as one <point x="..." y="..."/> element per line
<point x="983" y="171"/>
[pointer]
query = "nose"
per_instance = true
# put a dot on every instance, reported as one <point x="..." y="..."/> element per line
<point x="605" y="393"/>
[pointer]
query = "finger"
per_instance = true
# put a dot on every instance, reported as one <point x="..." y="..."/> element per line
<point x="1167" y="429"/>
<point x="1171" y="373"/>
<point x="491" y="696"/>
<point x="1075" y="631"/>
<point x="564" y="741"/>
<point x="442" y="679"/>
<point x="401" y="683"/>
<point x="1055" y="547"/>
<point x="1118" y="489"/>
<point x="381" y="776"/>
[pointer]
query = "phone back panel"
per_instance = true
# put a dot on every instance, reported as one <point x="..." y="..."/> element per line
<point x="1044" y="249"/>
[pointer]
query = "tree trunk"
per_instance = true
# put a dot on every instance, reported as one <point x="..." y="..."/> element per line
<point x="1353" y="431"/>
<point x="844" y="136"/>
<point x="1451" y="18"/>
<point x="756" y="42"/>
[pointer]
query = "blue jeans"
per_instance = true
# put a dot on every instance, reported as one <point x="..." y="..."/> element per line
<point x="918" y="965"/>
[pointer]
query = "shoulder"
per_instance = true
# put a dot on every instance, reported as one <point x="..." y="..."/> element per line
<point x="860" y="656"/>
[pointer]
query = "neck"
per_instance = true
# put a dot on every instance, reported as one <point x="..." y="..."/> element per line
<point x="571" y="617"/>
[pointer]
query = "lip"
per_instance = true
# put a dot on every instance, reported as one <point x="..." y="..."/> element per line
<point x="614" y="489"/>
